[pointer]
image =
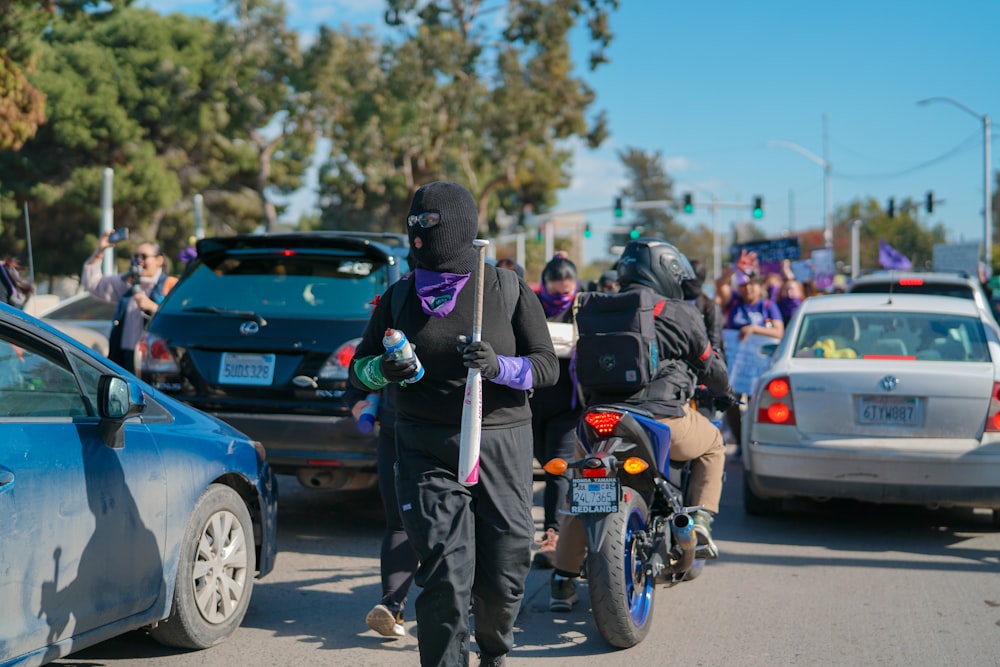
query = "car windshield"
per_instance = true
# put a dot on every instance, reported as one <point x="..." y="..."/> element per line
<point x="288" y="284"/>
<point x="880" y="335"/>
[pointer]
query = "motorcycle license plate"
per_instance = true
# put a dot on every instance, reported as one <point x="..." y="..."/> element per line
<point x="594" y="495"/>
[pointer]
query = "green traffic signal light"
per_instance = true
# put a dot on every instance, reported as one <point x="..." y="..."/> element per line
<point x="688" y="203"/>
<point x="619" y="211"/>
<point x="634" y="234"/>
<point x="586" y="231"/>
<point x="758" y="207"/>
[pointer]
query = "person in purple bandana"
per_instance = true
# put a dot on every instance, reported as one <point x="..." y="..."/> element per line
<point x="473" y="542"/>
<point x="555" y="410"/>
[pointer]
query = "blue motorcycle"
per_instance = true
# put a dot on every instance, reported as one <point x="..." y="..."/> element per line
<point x="630" y="499"/>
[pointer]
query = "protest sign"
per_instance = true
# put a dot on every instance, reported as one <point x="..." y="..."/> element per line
<point x="744" y="359"/>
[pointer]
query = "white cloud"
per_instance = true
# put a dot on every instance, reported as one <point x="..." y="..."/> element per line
<point x="677" y="164"/>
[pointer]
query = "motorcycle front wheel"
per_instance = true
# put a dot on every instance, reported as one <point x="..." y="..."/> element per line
<point x="621" y="596"/>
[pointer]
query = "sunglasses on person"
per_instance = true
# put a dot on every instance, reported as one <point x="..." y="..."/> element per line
<point x="425" y="220"/>
<point x="142" y="257"/>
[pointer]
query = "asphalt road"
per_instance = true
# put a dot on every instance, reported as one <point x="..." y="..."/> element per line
<point x="837" y="584"/>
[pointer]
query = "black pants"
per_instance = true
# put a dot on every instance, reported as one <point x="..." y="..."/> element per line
<point x="554" y="437"/>
<point x="473" y="542"/>
<point x="398" y="560"/>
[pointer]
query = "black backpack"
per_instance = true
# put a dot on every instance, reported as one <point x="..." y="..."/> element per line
<point x="616" y="351"/>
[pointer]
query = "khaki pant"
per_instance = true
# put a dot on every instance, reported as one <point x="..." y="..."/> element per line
<point x="692" y="438"/>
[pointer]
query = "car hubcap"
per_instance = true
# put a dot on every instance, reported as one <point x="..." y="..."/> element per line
<point x="220" y="567"/>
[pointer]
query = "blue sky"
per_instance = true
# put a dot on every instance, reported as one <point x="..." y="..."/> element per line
<point x="709" y="84"/>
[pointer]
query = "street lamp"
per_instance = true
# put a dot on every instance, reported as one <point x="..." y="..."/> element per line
<point x="827" y="213"/>
<point x="987" y="200"/>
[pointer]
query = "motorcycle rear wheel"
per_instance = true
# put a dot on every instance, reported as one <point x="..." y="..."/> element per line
<point x="621" y="596"/>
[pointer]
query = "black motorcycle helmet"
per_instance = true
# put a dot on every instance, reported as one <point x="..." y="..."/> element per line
<point x="656" y="264"/>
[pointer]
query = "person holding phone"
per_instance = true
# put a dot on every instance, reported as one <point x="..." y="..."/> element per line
<point x="138" y="293"/>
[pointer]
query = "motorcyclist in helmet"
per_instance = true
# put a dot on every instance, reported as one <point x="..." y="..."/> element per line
<point x="686" y="359"/>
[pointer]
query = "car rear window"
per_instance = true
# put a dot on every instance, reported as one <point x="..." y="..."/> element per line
<point x="287" y="284"/>
<point x="908" y="335"/>
<point x="915" y="287"/>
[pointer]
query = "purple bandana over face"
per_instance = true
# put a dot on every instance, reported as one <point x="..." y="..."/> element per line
<point x="553" y="304"/>
<point x="437" y="291"/>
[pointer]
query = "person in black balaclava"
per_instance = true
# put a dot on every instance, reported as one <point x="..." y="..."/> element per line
<point x="473" y="542"/>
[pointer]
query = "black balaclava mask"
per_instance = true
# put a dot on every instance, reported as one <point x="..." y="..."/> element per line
<point x="447" y="247"/>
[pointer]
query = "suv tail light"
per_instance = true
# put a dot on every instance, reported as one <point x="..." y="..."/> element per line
<point x="774" y="403"/>
<point x="153" y="355"/>
<point x="337" y="364"/>
<point x="993" y="416"/>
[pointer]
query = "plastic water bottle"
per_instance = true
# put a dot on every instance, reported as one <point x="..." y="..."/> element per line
<point x="366" y="420"/>
<point x="397" y="344"/>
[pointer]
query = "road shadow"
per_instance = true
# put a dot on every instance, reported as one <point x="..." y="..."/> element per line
<point x="966" y="538"/>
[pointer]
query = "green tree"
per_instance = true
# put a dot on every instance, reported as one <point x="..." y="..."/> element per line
<point x="176" y="106"/>
<point x="272" y="118"/>
<point x="450" y="97"/>
<point x="904" y="232"/>
<point x="22" y="24"/>
<point x="648" y="181"/>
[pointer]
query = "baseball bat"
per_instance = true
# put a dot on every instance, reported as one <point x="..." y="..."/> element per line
<point x="472" y="406"/>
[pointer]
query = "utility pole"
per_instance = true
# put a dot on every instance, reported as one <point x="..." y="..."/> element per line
<point x="987" y="198"/>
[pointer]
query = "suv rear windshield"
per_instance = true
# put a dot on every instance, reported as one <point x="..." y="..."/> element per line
<point x="925" y="336"/>
<point x="287" y="283"/>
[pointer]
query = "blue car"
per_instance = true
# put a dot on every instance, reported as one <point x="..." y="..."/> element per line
<point x="120" y="507"/>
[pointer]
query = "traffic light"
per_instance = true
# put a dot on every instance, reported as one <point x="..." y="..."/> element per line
<point x="538" y="235"/>
<point x="758" y="207"/>
<point x="619" y="211"/>
<point x="635" y="233"/>
<point x="586" y="231"/>
<point x="930" y="201"/>
<point x="891" y="208"/>
<point x="688" y="203"/>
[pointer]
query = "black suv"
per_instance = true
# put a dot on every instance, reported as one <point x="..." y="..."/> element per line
<point x="259" y="331"/>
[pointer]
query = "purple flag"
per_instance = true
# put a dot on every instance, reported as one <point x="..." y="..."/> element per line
<point x="890" y="258"/>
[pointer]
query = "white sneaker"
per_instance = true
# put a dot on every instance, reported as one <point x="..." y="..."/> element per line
<point x="383" y="621"/>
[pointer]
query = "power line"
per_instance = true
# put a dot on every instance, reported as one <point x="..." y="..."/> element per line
<point x="976" y="137"/>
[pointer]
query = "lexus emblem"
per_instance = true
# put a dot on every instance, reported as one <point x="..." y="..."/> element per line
<point x="249" y="328"/>
<point x="888" y="383"/>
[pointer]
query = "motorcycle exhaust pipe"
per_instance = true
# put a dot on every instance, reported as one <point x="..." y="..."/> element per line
<point x="662" y="566"/>
<point x="682" y="527"/>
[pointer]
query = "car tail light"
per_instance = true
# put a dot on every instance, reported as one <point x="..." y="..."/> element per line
<point x="337" y="364"/>
<point x="153" y="355"/>
<point x="911" y="282"/>
<point x="774" y="403"/>
<point x="993" y="416"/>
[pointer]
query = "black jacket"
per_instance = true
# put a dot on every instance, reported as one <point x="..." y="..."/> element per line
<point x="438" y="397"/>
<point x="687" y="359"/>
